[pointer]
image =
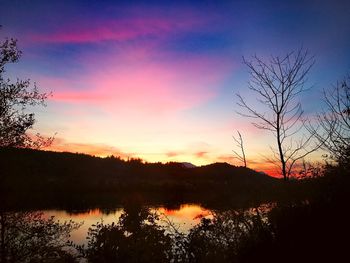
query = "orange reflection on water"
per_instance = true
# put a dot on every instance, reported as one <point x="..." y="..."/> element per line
<point x="88" y="219"/>
<point x="188" y="211"/>
<point x="185" y="218"/>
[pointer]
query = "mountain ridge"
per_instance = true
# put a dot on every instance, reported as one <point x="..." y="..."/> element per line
<point x="56" y="178"/>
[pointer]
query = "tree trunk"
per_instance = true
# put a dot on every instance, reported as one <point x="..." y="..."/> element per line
<point x="280" y="150"/>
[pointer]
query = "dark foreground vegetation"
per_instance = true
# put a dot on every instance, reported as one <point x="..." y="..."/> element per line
<point x="304" y="220"/>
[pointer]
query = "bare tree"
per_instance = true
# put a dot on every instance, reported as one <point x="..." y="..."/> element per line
<point x="334" y="122"/>
<point x="239" y="144"/>
<point x="278" y="84"/>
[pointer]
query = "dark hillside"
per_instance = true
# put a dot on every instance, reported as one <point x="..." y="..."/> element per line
<point x="55" y="175"/>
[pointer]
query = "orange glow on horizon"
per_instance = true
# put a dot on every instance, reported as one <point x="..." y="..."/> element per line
<point x="101" y="150"/>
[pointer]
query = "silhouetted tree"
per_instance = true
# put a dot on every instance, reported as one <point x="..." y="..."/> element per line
<point x="136" y="237"/>
<point x="334" y="122"/>
<point x="228" y="235"/>
<point x="15" y="97"/>
<point x="29" y="237"/>
<point x="277" y="84"/>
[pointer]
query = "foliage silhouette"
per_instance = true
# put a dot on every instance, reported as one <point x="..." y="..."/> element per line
<point x="223" y="238"/>
<point x="136" y="237"/>
<point x="29" y="237"/>
<point x="15" y="98"/>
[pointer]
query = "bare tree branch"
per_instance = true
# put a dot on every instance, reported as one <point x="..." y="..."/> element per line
<point x="277" y="83"/>
<point x="333" y="124"/>
<point x="239" y="143"/>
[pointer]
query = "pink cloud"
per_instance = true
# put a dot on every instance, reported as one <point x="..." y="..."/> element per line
<point x="62" y="145"/>
<point x="200" y="154"/>
<point x="137" y="76"/>
<point x="139" y="23"/>
<point x="173" y="154"/>
<point x="149" y="86"/>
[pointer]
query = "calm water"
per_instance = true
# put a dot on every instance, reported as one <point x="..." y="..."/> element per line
<point x="185" y="218"/>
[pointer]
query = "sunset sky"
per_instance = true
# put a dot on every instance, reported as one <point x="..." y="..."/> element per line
<point x="157" y="79"/>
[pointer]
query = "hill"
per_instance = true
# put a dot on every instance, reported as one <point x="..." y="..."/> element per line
<point x="28" y="173"/>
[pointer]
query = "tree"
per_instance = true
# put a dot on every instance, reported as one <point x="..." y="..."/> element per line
<point x="239" y="143"/>
<point x="334" y="122"/>
<point x="277" y="84"/>
<point x="136" y="237"/>
<point x="230" y="236"/>
<point x="15" y="98"/>
<point x="30" y="237"/>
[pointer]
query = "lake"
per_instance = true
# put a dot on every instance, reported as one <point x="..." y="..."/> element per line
<point x="131" y="231"/>
<point x="184" y="217"/>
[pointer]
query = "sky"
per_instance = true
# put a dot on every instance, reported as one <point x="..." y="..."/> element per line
<point x="157" y="79"/>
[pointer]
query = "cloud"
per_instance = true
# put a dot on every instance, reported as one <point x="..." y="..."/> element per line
<point x="200" y="154"/>
<point x="122" y="61"/>
<point x="173" y="154"/>
<point x="186" y="154"/>
<point x="152" y="87"/>
<point x="102" y="150"/>
<point x="127" y="25"/>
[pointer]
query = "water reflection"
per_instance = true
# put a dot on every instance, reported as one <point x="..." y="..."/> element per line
<point x="150" y="235"/>
<point x="187" y="234"/>
<point x="184" y="217"/>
